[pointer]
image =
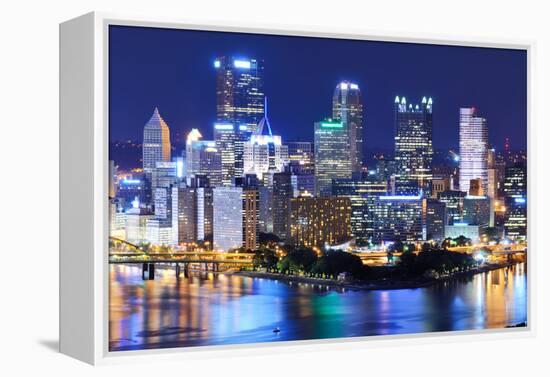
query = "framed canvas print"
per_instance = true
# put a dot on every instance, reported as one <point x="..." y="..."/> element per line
<point x="227" y="187"/>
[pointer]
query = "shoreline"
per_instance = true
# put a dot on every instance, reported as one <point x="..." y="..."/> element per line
<point x="370" y="285"/>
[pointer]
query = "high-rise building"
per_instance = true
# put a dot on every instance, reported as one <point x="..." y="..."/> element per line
<point x="203" y="158"/>
<point x="398" y="218"/>
<point x="229" y="141"/>
<point x="300" y="152"/>
<point x="156" y="142"/>
<point x="265" y="219"/>
<point x="184" y="214"/>
<point x="478" y="210"/>
<point x="164" y="174"/>
<point x="239" y="91"/>
<point x="413" y="145"/>
<point x="129" y="188"/>
<point x="319" y="222"/>
<point x="441" y="184"/>
<point x="251" y="214"/>
<point x="302" y="184"/>
<point x="347" y="108"/>
<point x="332" y="155"/>
<point x="136" y="223"/>
<point x="362" y="194"/>
<point x="435" y="217"/>
<point x="282" y="193"/>
<point x="205" y="213"/>
<point x="515" y="191"/>
<point x="473" y="149"/>
<point x="454" y="204"/>
<point x="228" y="218"/>
<point x="264" y="152"/>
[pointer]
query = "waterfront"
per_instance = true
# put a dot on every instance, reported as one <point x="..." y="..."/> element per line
<point x="214" y="309"/>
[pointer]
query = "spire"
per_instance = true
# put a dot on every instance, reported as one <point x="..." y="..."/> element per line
<point x="155" y="118"/>
<point x="264" y="121"/>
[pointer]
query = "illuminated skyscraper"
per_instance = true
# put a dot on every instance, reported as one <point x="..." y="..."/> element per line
<point x="229" y="141"/>
<point x="515" y="191"/>
<point x="156" y="142"/>
<point x="473" y="149"/>
<point x="413" y="145"/>
<point x="251" y="213"/>
<point x="203" y="158"/>
<point x="348" y="109"/>
<point x="239" y="91"/>
<point x="332" y="155"/>
<point x="282" y="193"/>
<point x="264" y="152"/>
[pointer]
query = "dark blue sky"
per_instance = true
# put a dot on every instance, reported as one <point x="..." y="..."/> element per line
<point x="173" y="69"/>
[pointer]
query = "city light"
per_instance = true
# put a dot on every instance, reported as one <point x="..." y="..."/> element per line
<point x="331" y="125"/>
<point x="222" y="126"/>
<point x="242" y="64"/>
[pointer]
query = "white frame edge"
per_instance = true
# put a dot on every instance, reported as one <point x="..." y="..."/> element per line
<point x="83" y="191"/>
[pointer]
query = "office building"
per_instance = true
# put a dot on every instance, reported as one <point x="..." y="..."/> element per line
<point x="332" y="155"/>
<point x="478" y="210"/>
<point x="156" y="142"/>
<point x="239" y="91"/>
<point x="347" y="108"/>
<point x="136" y="223"/>
<point x="184" y="215"/>
<point x="515" y="191"/>
<point x="228" y="218"/>
<point x="413" y="146"/>
<point x="282" y="193"/>
<point x="229" y="141"/>
<point x="251" y="217"/>
<point x="362" y="194"/>
<point x="435" y="217"/>
<point x="264" y="152"/>
<point x="265" y="220"/>
<point x="129" y="188"/>
<point x="398" y="218"/>
<point x="473" y="149"/>
<point x="319" y="222"/>
<point x="454" y="204"/>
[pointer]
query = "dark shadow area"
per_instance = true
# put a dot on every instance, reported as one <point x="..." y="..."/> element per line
<point x="52" y="345"/>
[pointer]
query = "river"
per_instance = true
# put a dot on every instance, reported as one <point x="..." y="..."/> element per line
<point x="214" y="309"/>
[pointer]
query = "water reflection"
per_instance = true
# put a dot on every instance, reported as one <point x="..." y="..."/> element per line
<point x="208" y="309"/>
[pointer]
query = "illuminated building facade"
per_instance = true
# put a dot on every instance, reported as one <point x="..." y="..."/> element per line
<point x="362" y="194"/>
<point x="184" y="214"/>
<point x="413" y="146"/>
<point x="156" y="142"/>
<point x="515" y="191"/>
<point x="478" y="210"/>
<point x="251" y="213"/>
<point x="454" y="204"/>
<point x="203" y="158"/>
<point x="347" y="108"/>
<point x="239" y="91"/>
<point x="332" y="155"/>
<point x="300" y="152"/>
<point x="319" y="222"/>
<point x="282" y="193"/>
<point x="136" y="186"/>
<point x="264" y="152"/>
<point x="473" y="149"/>
<point x="398" y="218"/>
<point x="228" y="218"/>
<point x="229" y="141"/>
<point x="435" y="217"/>
<point x="136" y="223"/>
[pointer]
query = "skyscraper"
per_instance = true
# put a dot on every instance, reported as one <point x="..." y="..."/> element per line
<point x="227" y="137"/>
<point x="398" y="218"/>
<point x="348" y="109"/>
<point x="282" y="193"/>
<point x="251" y="213"/>
<point x="332" y="155"/>
<point x="515" y="191"/>
<point x="473" y="149"/>
<point x="264" y="152"/>
<point x="203" y="158"/>
<point x="156" y="142"/>
<point x="228" y="218"/>
<point x="413" y="145"/>
<point x="239" y="91"/>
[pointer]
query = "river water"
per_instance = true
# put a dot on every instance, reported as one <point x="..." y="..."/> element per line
<point x="209" y="309"/>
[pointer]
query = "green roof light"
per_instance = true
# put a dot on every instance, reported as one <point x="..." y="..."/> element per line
<point x="331" y="125"/>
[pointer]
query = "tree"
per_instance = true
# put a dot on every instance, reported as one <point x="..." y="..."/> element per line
<point x="396" y="247"/>
<point x="268" y="238"/>
<point x="334" y="262"/>
<point x="265" y="258"/>
<point x="298" y="260"/>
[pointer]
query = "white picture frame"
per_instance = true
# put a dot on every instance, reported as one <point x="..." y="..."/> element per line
<point x="84" y="181"/>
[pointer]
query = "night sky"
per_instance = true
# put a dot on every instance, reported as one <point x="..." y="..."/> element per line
<point x="173" y="69"/>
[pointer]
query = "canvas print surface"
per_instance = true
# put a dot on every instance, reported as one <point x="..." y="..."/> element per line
<point x="268" y="188"/>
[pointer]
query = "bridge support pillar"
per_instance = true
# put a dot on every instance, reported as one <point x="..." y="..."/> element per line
<point x="177" y="271"/>
<point x="186" y="270"/>
<point x="151" y="271"/>
<point x="144" y="268"/>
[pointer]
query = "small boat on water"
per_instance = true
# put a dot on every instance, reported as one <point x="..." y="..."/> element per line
<point x="276" y="330"/>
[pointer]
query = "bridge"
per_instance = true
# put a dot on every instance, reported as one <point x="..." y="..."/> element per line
<point x="125" y="252"/>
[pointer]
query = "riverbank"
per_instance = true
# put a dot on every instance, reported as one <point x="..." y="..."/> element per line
<point x="383" y="284"/>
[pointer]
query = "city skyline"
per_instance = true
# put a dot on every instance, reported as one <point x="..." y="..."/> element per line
<point x="303" y="95"/>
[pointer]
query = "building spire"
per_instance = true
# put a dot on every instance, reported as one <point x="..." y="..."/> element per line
<point x="264" y="121"/>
